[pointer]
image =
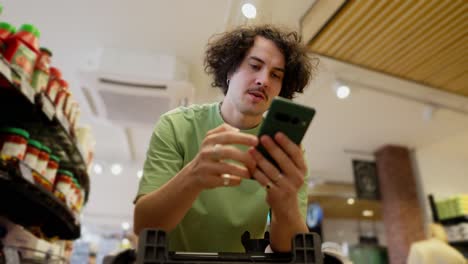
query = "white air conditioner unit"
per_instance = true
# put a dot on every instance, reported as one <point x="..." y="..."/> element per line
<point x="131" y="87"/>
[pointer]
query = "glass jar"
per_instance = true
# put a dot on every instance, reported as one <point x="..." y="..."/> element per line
<point x="43" y="160"/>
<point x="51" y="171"/>
<point x="32" y="153"/>
<point x="22" y="50"/>
<point x="6" y="30"/>
<point x="63" y="184"/>
<point x="53" y="86"/>
<point x="40" y="77"/>
<point x="13" y="142"/>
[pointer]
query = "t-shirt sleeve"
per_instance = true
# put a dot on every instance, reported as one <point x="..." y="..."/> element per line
<point x="163" y="158"/>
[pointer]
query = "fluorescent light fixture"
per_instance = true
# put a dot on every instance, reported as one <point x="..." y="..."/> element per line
<point x="350" y="201"/>
<point x="249" y="10"/>
<point x="116" y="168"/>
<point x="97" y="168"/>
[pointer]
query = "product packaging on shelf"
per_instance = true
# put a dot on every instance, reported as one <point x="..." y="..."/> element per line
<point x="32" y="153"/>
<point x="41" y="73"/>
<point x="52" y="168"/>
<point x="53" y="86"/>
<point x="86" y="142"/>
<point x="22" y="50"/>
<point x="13" y="142"/>
<point x="6" y="30"/>
<point x="44" y="156"/>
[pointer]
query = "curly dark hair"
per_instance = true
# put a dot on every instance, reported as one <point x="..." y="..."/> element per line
<point x="225" y="53"/>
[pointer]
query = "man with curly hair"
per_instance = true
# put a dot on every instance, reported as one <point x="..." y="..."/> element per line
<point x="197" y="179"/>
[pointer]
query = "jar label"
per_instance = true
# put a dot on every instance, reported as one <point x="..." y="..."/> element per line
<point x="53" y="90"/>
<point x="39" y="81"/>
<point x="30" y="160"/>
<point x="50" y="175"/>
<point x="41" y="166"/>
<point x="23" y="61"/>
<point x="12" y="149"/>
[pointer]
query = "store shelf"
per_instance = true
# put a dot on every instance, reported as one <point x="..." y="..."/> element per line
<point x="455" y="221"/>
<point x="31" y="205"/>
<point x="21" y="107"/>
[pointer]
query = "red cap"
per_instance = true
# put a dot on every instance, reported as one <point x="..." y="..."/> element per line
<point x="63" y="83"/>
<point x="55" y="72"/>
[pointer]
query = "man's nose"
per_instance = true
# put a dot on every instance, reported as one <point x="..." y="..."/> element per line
<point x="263" y="79"/>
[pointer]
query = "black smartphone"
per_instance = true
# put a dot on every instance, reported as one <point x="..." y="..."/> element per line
<point x="288" y="117"/>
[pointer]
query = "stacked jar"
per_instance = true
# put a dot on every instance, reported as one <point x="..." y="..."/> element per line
<point x="33" y="151"/>
<point x="22" y="50"/>
<point x="51" y="171"/>
<point x="63" y="184"/>
<point x="62" y="96"/>
<point x="43" y="160"/>
<point x="6" y="30"/>
<point x="13" y="142"/>
<point x="40" y="77"/>
<point x="53" y="86"/>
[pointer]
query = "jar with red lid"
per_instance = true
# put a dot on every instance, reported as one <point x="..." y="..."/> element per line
<point x="6" y="30"/>
<point x="52" y="168"/>
<point x="67" y="107"/>
<point x="53" y="86"/>
<point x="40" y="77"/>
<point x="32" y="153"/>
<point x="43" y="160"/>
<point x="63" y="184"/>
<point x="22" y="49"/>
<point x="13" y="142"/>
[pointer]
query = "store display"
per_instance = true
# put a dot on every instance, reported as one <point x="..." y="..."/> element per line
<point x="38" y="117"/>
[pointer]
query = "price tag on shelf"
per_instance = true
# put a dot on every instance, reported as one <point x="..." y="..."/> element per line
<point x="27" y="90"/>
<point x="47" y="107"/>
<point x="26" y="173"/>
<point x="61" y="118"/>
<point x="5" y="69"/>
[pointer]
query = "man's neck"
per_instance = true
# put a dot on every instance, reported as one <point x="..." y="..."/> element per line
<point x="237" y="119"/>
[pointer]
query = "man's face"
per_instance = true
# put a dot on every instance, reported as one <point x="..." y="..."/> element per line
<point x="258" y="79"/>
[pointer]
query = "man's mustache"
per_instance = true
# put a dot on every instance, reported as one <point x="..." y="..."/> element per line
<point x="258" y="89"/>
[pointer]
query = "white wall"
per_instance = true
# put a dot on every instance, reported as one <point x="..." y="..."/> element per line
<point x="443" y="167"/>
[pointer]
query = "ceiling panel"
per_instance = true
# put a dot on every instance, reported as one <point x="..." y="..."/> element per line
<point x="425" y="41"/>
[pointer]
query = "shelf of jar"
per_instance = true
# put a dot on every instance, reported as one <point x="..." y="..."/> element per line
<point x="21" y="106"/>
<point x="31" y="205"/>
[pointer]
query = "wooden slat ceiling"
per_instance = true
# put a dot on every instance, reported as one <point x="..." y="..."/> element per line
<point x="420" y="40"/>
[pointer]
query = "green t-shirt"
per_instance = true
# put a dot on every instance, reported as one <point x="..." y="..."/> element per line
<point x="219" y="216"/>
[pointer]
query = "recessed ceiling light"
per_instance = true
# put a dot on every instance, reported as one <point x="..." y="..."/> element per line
<point x="140" y="174"/>
<point x="368" y="213"/>
<point x="125" y="226"/>
<point x="116" y="169"/>
<point x="249" y="10"/>
<point x="350" y="201"/>
<point x="97" y="168"/>
<point x="343" y="91"/>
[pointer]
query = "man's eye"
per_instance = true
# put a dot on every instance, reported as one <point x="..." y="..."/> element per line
<point x="254" y="66"/>
<point x="276" y="76"/>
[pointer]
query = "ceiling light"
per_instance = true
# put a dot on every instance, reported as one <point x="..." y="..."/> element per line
<point x="140" y="174"/>
<point x="350" y="201"/>
<point x="249" y="10"/>
<point x="97" y="168"/>
<point x="125" y="226"/>
<point x="368" y="213"/>
<point x="343" y="91"/>
<point x="116" y="169"/>
<point x="125" y="242"/>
